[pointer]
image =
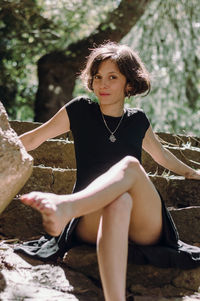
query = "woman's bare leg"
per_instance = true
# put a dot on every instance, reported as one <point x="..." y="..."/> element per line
<point x="145" y="223"/>
<point x="58" y="210"/>
<point x="125" y="176"/>
<point x="112" y="255"/>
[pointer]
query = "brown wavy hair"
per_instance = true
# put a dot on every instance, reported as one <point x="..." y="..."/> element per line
<point x="128" y="62"/>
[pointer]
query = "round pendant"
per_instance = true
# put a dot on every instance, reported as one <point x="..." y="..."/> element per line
<point x="112" y="138"/>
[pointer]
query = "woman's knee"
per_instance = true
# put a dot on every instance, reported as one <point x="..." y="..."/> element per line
<point x="122" y="205"/>
<point x="130" y="161"/>
<point x="132" y="167"/>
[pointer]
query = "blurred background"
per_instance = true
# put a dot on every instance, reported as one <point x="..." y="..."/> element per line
<point x="44" y="43"/>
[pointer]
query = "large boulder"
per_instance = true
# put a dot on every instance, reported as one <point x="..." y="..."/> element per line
<point x="15" y="163"/>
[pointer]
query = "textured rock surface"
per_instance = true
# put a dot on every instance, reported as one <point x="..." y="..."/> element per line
<point x="47" y="179"/>
<point x="27" y="221"/>
<point x="15" y="163"/>
<point x="21" y="127"/>
<point x="187" y="221"/>
<point x="33" y="280"/>
<point x="65" y="158"/>
<point x="77" y="278"/>
<point x="178" y="191"/>
<point x="188" y="154"/>
<point x="141" y="279"/>
<point x="179" y="140"/>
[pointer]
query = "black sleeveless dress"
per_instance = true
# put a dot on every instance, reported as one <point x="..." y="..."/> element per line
<point x="95" y="154"/>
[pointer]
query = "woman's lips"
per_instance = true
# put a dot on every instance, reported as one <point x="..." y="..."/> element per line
<point x="104" y="94"/>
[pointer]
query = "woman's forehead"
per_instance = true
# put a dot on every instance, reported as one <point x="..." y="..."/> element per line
<point x="108" y="65"/>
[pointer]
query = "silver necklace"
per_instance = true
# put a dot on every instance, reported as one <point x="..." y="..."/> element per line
<point x="112" y="137"/>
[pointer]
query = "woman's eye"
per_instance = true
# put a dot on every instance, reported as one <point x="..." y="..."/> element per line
<point x="96" y="77"/>
<point x="113" y="77"/>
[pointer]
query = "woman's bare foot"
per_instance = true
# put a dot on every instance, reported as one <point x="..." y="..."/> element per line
<point x="54" y="208"/>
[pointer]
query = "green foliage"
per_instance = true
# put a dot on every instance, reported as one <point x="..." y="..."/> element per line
<point x="166" y="38"/>
<point x="29" y="30"/>
<point x="23" y="32"/>
<point x="73" y="20"/>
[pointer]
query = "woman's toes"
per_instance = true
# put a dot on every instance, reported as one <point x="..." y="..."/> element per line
<point x="26" y="199"/>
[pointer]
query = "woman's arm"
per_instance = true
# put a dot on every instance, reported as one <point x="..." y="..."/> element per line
<point x="57" y="125"/>
<point x="164" y="157"/>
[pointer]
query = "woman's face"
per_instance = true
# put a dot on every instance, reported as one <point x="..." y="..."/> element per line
<point x="109" y="84"/>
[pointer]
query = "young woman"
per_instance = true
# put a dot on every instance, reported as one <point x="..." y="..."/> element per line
<point x="114" y="202"/>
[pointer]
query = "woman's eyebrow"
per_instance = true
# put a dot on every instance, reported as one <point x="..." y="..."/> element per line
<point x="109" y="72"/>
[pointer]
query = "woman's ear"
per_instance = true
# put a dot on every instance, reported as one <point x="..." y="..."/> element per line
<point x="128" y="89"/>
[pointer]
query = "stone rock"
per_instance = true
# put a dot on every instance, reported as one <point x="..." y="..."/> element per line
<point x="188" y="155"/>
<point x="62" y="150"/>
<point x="48" y="179"/>
<point x="187" y="221"/>
<point x="178" y="139"/>
<point x="193" y="297"/>
<point x="177" y="191"/>
<point x="15" y="163"/>
<point x="22" y="279"/>
<point x="25" y="278"/>
<point x="189" y="279"/>
<point x="21" y="127"/>
<point x="157" y="293"/>
<point x="141" y="279"/>
<point x="27" y="221"/>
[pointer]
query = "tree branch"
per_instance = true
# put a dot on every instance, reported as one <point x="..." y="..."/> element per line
<point x="117" y="24"/>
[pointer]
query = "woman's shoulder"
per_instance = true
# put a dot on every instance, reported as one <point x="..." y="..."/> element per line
<point x="81" y="100"/>
<point x="138" y="115"/>
<point x="80" y="107"/>
<point x="135" y="112"/>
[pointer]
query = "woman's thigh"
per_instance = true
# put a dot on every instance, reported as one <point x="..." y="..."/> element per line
<point x="146" y="216"/>
<point x="145" y="225"/>
<point x="88" y="226"/>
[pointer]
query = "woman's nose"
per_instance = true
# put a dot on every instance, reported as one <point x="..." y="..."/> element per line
<point x="104" y="83"/>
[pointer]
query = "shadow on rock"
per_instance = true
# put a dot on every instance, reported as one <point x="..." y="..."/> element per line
<point x="2" y="282"/>
<point x="83" y="287"/>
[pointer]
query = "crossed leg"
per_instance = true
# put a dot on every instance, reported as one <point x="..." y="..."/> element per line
<point x="127" y="205"/>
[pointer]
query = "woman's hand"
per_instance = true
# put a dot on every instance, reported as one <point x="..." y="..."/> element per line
<point x="193" y="176"/>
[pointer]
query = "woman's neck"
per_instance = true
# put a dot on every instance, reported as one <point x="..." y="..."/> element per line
<point x="115" y="111"/>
